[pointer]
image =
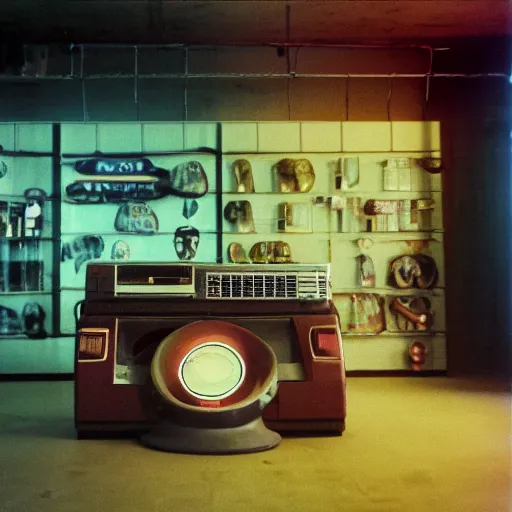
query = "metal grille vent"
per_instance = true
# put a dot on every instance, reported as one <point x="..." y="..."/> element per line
<point x="263" y="285"/>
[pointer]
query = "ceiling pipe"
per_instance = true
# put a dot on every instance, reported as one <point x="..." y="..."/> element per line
<point x="283" y="44"/>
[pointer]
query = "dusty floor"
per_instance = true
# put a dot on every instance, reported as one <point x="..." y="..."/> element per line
<point x="411" y="444"/>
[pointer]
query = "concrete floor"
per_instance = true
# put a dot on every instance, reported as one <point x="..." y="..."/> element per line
<point x="411" y="444"/>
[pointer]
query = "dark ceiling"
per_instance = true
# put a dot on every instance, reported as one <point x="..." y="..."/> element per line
<point x="252" y="21"/>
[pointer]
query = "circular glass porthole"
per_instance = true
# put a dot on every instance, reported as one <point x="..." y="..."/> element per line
<point x="212" y="371"/>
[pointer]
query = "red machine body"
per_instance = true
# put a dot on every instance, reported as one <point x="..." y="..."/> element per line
<point x="130" y="308"/>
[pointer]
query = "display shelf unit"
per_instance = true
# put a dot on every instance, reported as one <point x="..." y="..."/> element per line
<point x="28" y="208"/>
<point x="327" y="146"/>
<point x="49" y="153"/>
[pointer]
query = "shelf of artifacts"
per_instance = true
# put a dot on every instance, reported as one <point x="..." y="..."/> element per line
<point x="26" y="244"/>
<point x="168" y="201"/>
<point x="325" y="196"/>
<point x="266" y="225"/>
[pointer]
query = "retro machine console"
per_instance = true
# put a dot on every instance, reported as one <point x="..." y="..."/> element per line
<point x="211" y="337"/>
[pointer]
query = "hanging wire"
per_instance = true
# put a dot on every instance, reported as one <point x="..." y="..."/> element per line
<point x="71" y="61"/>
<point x="84" y="99"/>
<point x="427" y="82"/>
<point x="185" y="89"/>
<point x="288" y="63"/>
<point x="347" y="89"/>
<point x="390" y="95"/>
<point x="136" y="82"/>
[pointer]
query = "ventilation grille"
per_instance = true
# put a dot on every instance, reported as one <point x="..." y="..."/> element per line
<point x="268" y="286"/>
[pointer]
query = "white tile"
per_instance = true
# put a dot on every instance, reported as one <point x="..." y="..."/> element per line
<point x="7" y="136"/>
<point x="200" y="135"/>
<point x="34" y="137"/>
<point x="162" y="137"/>
<point x="416" y="136"/>
<point x="78" y="138"/>
<point x="119" y="137"/>
<point x="321" y="137"/>
<point x="239" y="137"/>
<point x="281" y="137"/>
<point x="359" y="136"/>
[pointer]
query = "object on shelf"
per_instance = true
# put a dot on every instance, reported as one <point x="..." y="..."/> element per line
<point x="82" y="249"/>
<point x="270" y="252"/>
<point x="294" y="218"/>
<point x="417" y="355"/>
<point x="10" y="324"/>
<point x="418" y="271"/>
<point x="236" y="254"/>
<point x="138" y="218"/>
<point x="3" y="169"/>
<point x="347" y="174"/>
<point x="243" y="175"/>
<point x="364" y="244"/>
<point x="4" y="218"/>
<point x="186" y="180"/>
<point x="410" y="314"/>
<point x="120" y="251"/>
<point x="366" y="271"/>
<point x="364" y="315"/>
<point x="431" y="165"/>
<point x="190" y="207"/>
<point x="19" y="220"/>
<point x="351" y="217"/>
<point x="189" y="180"/>
<point x="294" y="175"/>
<point x="33" y="222"/>
<point x="239" y="214"/>
<point x="186" y="241"/>
<point x="397" y="174"/>
<point x="119" y="167"/>
<point x="384" y="215"/>
<point x="15" y="216"/>
<point x="33" y="317"/>
<point x="415" y="214"/>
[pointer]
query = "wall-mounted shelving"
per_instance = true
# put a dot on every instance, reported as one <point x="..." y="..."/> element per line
<point x="50" y="161"/>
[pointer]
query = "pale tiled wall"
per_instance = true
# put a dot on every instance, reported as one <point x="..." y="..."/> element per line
<point x="137" y="137"/>
<point x="347" y="137"/>
<point x="77" y="220"/>
<point x="321" y="142"/>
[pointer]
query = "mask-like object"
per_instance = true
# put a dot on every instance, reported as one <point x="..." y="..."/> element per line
<point x="136" y="218"/>
<point x="120" y="251"/>
<point x="186" y="241"/>
<point x="33" y="320"/>
<point x="189" y="180"/>
<point x="243" y="175"/>
<point x="9" y="322"/>
<point x="295" y="175"/>
<point x="239" y="213"/>
<point x="82" y="249"/>
<point x="270" y="252"/>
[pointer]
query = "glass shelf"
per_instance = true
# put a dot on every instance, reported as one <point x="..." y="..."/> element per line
<point x="121" y="234"/>
<point x="26" y="239"/>
<point x="284" y="194"/>
<point x="276" y="233"/>
<point x="139" y="154"/>
<point x="393" y="334"/>
<point x="35" y="292"/>
<point x="438" y="291"/>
